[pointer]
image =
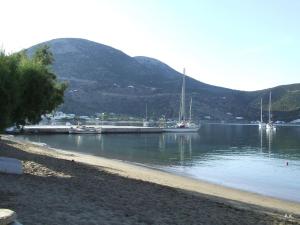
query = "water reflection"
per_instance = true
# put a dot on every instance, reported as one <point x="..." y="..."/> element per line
<point x="237" y="156"/>
<point x="213" y="142"/>
<point x="184" y="143"/>
<point x="270" y="136"/>
<point x="266" y="136"/>
<point x="78" y="140"/>
<point x="261" y="139"/>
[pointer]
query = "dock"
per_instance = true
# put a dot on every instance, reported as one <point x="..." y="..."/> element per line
<point x="47" y="129"/>
<point x="104" y="129"/>
<point x="130" y="129"/>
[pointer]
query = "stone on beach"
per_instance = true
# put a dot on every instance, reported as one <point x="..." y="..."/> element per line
<point x="10" y="165"/>
<point x="7" y="216"/>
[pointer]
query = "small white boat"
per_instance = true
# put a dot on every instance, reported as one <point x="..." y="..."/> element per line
<point x="84" y="130"/>
<point x="183" y="125"/>
<point x="262" y="125"/>
<point x="270" y="127"/>
<point x="12" y="130"/>
<point x="145" y="123"/>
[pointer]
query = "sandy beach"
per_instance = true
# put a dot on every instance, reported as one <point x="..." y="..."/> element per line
<point x="60" y="187"/>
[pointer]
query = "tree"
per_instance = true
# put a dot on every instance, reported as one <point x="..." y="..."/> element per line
<point x="43" y="55"/>
<point x="28" y="87"/>
<point x="9" y="77"/>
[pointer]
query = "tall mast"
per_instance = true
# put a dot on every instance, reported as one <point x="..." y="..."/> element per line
<point x="146" y="112"/>
<point x="191" y="109"/>
<point x="180" y="111"/>
<point x="261" y="119"/>
<point x="270" y="100"/>
<point x="183" y="97"/>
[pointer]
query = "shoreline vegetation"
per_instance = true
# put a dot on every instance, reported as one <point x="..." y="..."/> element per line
<point x="59" y="187"/>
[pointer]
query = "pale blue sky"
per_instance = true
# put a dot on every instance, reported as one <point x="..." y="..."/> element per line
<point x="239" y="44"/>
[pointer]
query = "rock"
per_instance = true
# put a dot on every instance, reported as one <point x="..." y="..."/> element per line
<point x="10" y="165"/>
<point x="7" y="216"/>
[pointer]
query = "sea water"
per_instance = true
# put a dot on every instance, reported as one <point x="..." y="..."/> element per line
<point x="237" y="156"/>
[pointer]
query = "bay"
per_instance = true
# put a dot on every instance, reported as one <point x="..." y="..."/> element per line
<point x="236" y="156"/>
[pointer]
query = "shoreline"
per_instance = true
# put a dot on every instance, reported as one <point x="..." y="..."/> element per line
<point x="213" y="188"/>
<point x="158" y="176"/>
<point x="230" y="197"/>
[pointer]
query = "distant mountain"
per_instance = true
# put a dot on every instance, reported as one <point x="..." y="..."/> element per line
<point x="285" y="101"/>
<point x="104" y="79"/>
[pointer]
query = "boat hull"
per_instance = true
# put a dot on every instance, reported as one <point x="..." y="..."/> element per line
<point x="84" y="130"/>
<point x="181" y="130"/>
<point x="270" y="127"/>
<point x="262" y="125"/>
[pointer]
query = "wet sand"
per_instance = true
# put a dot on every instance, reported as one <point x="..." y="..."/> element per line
<point x="60" y="187"/>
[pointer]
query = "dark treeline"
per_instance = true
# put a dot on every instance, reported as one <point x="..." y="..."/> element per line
<point x="28" y="87"/>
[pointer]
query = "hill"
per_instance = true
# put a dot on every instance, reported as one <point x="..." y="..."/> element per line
<point x="104" y="79"/>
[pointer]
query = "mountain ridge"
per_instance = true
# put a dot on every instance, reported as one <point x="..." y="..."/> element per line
<point x="104" y="79"/>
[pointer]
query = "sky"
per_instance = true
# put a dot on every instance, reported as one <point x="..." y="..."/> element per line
<point x="238" y="44"/>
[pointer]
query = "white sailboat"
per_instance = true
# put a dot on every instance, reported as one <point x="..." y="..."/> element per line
<point x="261" y="124"/>
<point x="183" y="125"/>
<point x="146" y="122"/>
<point x="190" y="123"/>
<point x="270" y="126"/>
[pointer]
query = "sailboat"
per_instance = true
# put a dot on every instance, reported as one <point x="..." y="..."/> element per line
<point x="146" y="122"/>
<point x="270" y="126"/>
<point x="261" y="124"/>
<point x="183" y="125"/>
<point x="190" y="122"/>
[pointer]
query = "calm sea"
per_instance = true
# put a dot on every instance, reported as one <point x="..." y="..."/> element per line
<point x="236" y="156"/>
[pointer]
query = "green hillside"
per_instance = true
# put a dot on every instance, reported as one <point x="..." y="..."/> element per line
<point x="285" y="101"/>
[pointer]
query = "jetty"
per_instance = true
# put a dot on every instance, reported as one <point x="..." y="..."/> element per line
<point x="130" y="129"/>
<point x="102" y="129"/>
<point x="47" y="129"/>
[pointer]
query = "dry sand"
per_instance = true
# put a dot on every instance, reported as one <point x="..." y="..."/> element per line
<point x="62" y="188"/>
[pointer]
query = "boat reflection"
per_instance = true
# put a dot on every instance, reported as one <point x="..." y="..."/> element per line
<point x="270" y="136"/>
<point x="212" y="143"/>
<point x="78" y="140"/>
<point x="180" y="142"/>
<point x="261" y="140"/>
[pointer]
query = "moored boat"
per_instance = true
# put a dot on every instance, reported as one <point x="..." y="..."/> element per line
<point x="270" y="125"/>
<point x="183" y="125"/>
<point x="261" y="124"/>
<point x="84" y="130"/>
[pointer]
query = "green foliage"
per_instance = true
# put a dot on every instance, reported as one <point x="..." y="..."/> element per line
<point x="28" y="88"/>
<point x="9" y="78"/>
<point x="43" y="55"/>
<point x="285" y="102"/>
